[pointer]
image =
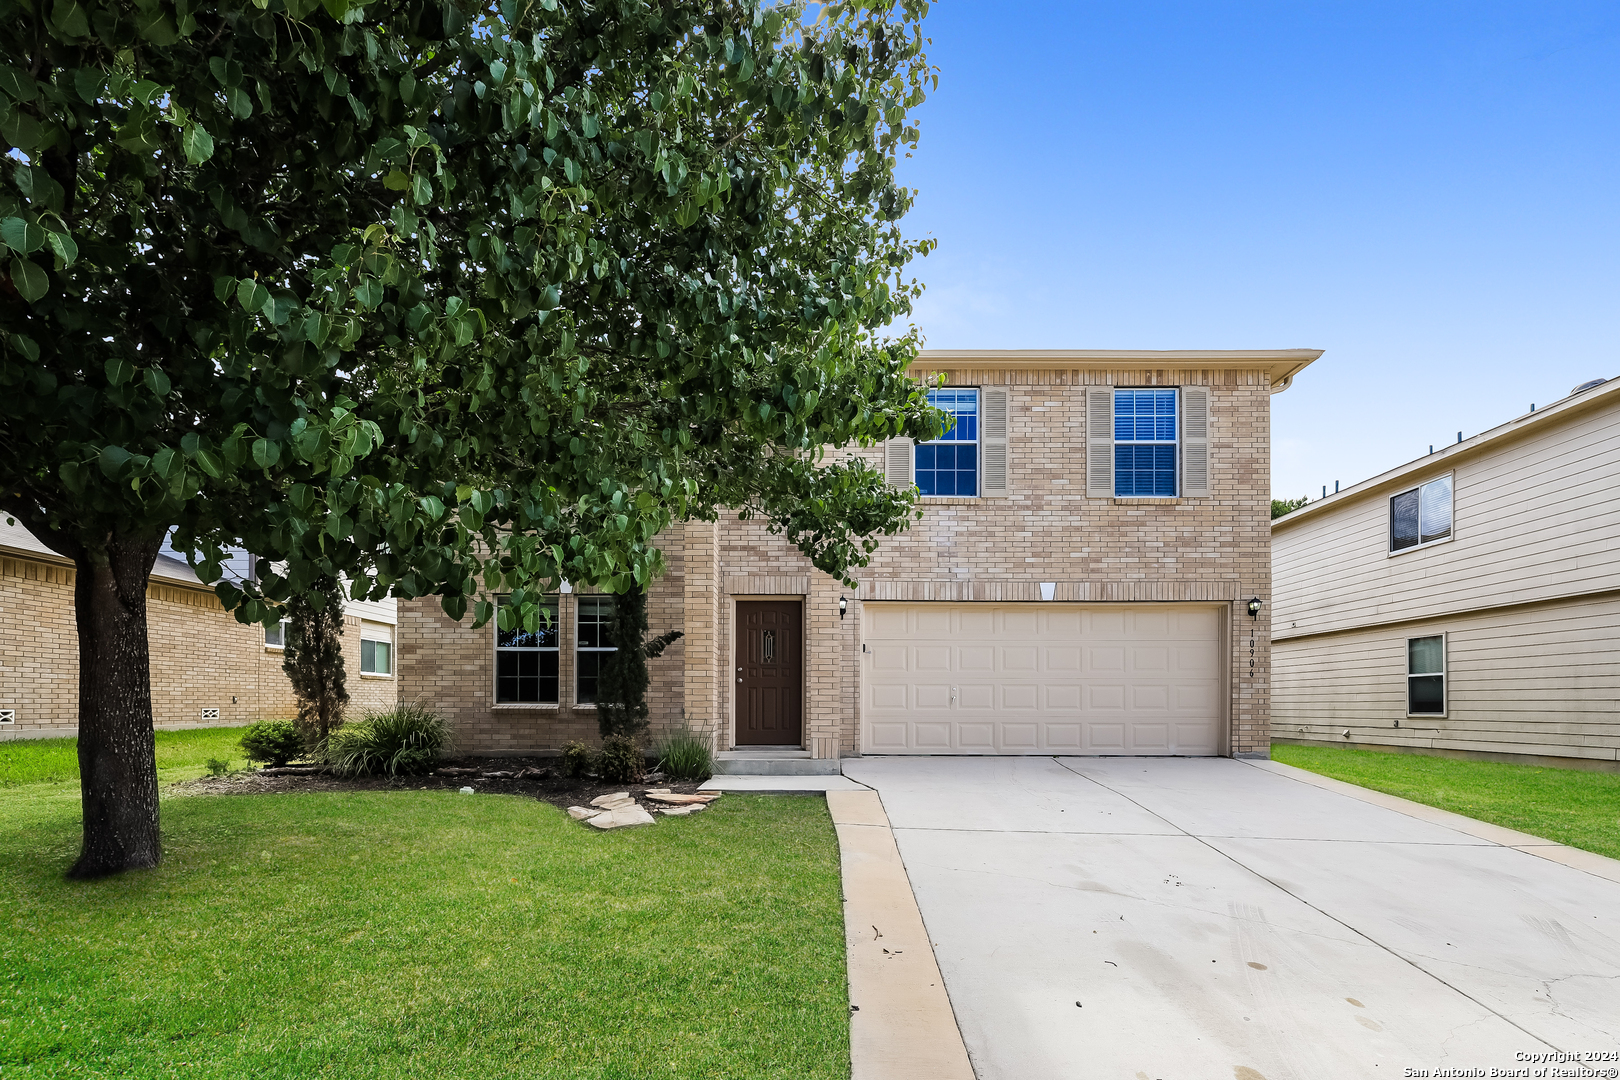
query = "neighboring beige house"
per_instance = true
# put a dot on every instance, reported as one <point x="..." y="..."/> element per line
<point x="207" y="668"/>
<point x="1467" y="603"/>
<point x="1093" y="531"/>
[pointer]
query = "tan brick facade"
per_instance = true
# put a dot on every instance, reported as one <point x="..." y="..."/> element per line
<point x="1213" y="549"/>
<point x="202" y="658"/>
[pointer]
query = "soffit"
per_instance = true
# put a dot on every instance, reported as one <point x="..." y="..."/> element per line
<point x="1281" y="364"/>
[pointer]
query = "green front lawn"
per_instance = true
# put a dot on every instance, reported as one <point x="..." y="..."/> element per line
<point x="181" y="755"/>
<point x="1581" y="809"/>
<point x="430" y="934"/>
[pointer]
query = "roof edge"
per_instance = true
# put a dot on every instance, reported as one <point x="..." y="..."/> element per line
<point x="1559" y="411"/>
<point x="1281" y="364"/>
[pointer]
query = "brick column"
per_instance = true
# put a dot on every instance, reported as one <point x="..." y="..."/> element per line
<point x="700" y="559"/>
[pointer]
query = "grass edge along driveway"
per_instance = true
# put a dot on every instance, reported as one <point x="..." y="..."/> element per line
<point x="384" y="934"/>
<point x="1574" y="807"/>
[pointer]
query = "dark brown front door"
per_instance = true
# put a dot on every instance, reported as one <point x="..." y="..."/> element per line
<point x="770" y="672"/>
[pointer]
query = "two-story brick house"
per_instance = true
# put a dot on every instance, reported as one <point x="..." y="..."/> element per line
<point x="1094" y="528"/>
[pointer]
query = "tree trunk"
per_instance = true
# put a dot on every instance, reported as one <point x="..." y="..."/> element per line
<point x="117" y="757"/>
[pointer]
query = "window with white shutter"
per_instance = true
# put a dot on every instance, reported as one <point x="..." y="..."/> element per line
<point x="1194" y="441"/>
<point x="1099" y="442"/>
<point x="897" y="462"/>
<point x="993" y="437"/>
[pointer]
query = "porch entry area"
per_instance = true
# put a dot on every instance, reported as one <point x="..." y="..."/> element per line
<point x="770" y="673"/>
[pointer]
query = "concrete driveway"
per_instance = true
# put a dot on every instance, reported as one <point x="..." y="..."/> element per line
<point x="1211" y="919"/>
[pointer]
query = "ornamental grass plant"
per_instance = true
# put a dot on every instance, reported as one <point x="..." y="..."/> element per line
<point x="404" y="741"/>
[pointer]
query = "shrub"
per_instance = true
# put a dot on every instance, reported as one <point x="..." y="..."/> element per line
<point x="621" y="760"/>
<point x="275" y="741"/>
<point x="218" y="766"/>
<point x="686" y="755"/>
<point x="408" y="740"/>
<point x="577" y="759"/>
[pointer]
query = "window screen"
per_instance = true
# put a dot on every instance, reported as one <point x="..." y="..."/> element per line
<point x="1145" y="442"/>
<point x="376" y="657"/>
<point x="526" y="660"/>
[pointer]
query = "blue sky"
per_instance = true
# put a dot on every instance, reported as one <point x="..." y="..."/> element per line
<point x="1429" y="192"/>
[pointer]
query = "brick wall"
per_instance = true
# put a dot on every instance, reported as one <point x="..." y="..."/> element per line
<point x="451" y="667"/>
<point x="1213" y="549"/>
<point x="201" y="657"/>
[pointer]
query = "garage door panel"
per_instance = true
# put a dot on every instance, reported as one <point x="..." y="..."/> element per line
<point x="971" y="698"/>
<point x="1059" y="696"/>
<point x="1019" y="695"/>
<point x="1018" y="658"/>
<point x="1121" y="679"/>
<point x="1106" y="736"/>
<point x="976" y="658"/>
<point x="1150" y="736"/>
<point x="1020" y="737"/>
<point x="1061" y="659"/>
<point x="980" y="737"/>
<point x="1063" y="737"/>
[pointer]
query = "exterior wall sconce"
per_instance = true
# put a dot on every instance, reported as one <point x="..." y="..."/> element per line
<point x="1254" y="607"/>
<point x="843" y="607"/>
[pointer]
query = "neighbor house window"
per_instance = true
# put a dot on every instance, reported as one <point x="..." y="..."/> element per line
<point x="376" y="649"/>
<point x="526" y="661"/>
<point x="592" y="644"/>
<point x="950" y="464"/>
<point x="1426" y="676"/>
<point x="1145" y="443"/>
<point x="275" y="637"/>
<point x="1420" y="516"/>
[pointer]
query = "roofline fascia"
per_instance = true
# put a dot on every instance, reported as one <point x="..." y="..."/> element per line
<point x="53" y="559"/>
<point x="1559" y="411"/>
<point x="1281" y="364"/>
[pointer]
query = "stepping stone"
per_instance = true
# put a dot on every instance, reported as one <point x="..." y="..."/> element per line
<point x="618" y="819"/>
<point x="603" y="800"/>
<point x="680" y="800"/>
<point x="580" y="813"/>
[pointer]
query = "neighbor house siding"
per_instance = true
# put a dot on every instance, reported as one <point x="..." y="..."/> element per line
<point x="1525" y="590"/>
<point x="201" y="657"/>
<point x="1533" y="518"/>
<point x="1541" y="680"/>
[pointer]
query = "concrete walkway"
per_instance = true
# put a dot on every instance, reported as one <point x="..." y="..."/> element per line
<point x="1208" y="918"/>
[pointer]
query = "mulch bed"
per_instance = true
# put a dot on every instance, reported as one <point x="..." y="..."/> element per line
<point x="537" y="778"/>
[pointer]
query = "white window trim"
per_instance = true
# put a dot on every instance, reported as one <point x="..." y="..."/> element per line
<point x="495" y="664"/>
<point x="578" y="605"/>
<point x="978" y="449"/>
<point x="1389" y="528"/>
<point x="393" y="651"/>
<point x="1444" y="673"/>
<point x="1180" y="442"/>
<point x="283" y="646"/>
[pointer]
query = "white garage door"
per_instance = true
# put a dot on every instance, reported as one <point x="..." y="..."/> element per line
<point x="947" y="678"/>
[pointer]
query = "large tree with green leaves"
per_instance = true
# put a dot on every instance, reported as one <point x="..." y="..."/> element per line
<point x="449" y="298"/>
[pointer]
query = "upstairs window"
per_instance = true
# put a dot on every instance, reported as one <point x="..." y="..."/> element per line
<point x="1426" y="676"/>
<point x="593" y="644"/>
<point x="525" y="662"/>
<point x="950" y="464"/>
<point x="1145" y="431"/>
<point x="1420" y="516"/>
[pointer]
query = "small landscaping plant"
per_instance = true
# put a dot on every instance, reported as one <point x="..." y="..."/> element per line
<point x="218" y="766"/>
<point x="576" y="759"/>
<point x="406" y="741"/>
<point x="274" y="741"/>
<point x="621" y="760"/>
<point x="686" y="755"/>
